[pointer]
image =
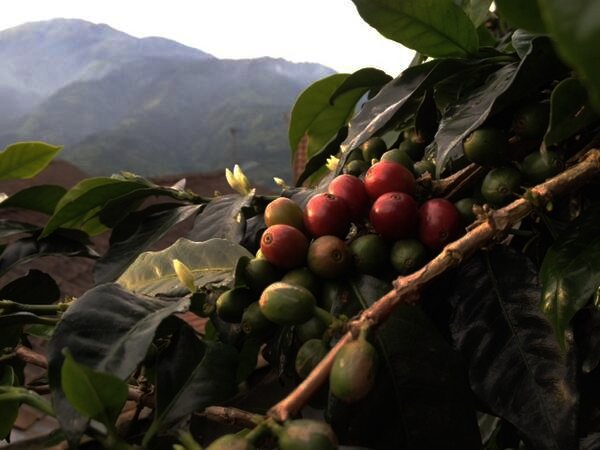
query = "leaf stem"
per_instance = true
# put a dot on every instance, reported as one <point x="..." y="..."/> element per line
<point x="9" y="306"/>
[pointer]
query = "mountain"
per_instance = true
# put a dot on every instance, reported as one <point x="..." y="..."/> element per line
<point x="149" y="105"/>
<point x="42" y="57"/>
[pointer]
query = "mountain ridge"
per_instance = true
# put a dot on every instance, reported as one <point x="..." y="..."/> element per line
<point x="161" y="110"/>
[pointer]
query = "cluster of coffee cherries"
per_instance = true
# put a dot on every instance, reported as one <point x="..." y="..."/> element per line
<point x="372" y="224"/>
<point x="513" y="157"/>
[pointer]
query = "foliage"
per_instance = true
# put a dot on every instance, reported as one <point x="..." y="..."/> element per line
<point x="500" y="352"/>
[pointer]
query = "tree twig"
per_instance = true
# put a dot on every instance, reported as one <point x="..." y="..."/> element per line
<point x="231" y="416"/>
<point x="407" y="289"/>
<point x="31" y="357"/>
<point x="451" y="186"/>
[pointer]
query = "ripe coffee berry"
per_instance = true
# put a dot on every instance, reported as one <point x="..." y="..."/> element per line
<point x="388" y="176"/>
<point x="326" y="214"/>
<point x="286" y="211"/>
<point x="284" y="246"/>
<point x="394" y="215"/>
<point x="352" y="190"/>
<point x="439" y="223"/>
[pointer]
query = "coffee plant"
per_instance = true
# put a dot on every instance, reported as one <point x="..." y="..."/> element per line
<point x="432" y="281"/>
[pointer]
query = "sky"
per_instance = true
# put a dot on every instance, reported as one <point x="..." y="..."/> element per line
<point x="328" y="32"/>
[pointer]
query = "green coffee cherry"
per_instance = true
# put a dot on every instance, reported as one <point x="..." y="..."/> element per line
<point x="231" y="304"/>
<point x="354" y="369"/>
<point x="500" y="185"/>
<point x="309" y="355"/>
<point x="304" y="434"/>
<point x="286" y="304"/>
<point x="231" y="442"/>
<point x="255" y="324"/>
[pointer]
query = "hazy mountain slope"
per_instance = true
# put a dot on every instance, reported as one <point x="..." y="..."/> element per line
<point x="200" y="116"/>
<point x="42" y="57"/>
<point x="149" y="105"/>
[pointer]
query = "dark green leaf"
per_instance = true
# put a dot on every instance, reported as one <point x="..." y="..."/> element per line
<point x="522" y="14"/>
<point x="12" y="227"/>
<point x="40" y="331"/>
<point x="367" y="79"/>
<point x="114" y="211"/>
<point x="314" y="115"/>
<point x="26" y="159"/>
<point x="570" y="111"/>
<point x="27" y="249"/>
<point x="43" y="198"/>
<point x="224" y="217"/>
<point x="486" y="39"/>
<point x="248" y="358"/>
<point x="586" y="331"/>
<point x="151" y="226"/>
<point x="477" y="10"/>
<point x="575" y="28"/>
<point x="590" y="442"/>
<point x="23" y="318"/>
<point x="79" y="207"/>
<point x="107" y="329"/>
<point x="211" y="262"/>
<point x="570" y="272"/>
<point x="397" y="97"/>
<point x="319" y="159"/>
<point x="35" y="288"/>
<point x="255" y="226"/>
<point x="8" y="410"/>
<point x="94" y="394"/>
<point x="437" y="28"/>
<point x="515" y="365"/>
<point x="192" y="375"/>
<point x="426" y="117"/>
<point x="508" y="85"/>
<point x="428" y="377"/>
<point x="521" y="42"/>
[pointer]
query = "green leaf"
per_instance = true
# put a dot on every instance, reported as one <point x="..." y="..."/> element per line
<point x="150" y="225"/>
<point x="477" y="10"/>
<point x="437" y="28"/>
<point x="367" y="78"/>
<point x="107" y="329"/>
<point x="114" y="211"/>
<point x="225" y="216"/>
<point x="570" y="272"/>
<point x="35" y="288"/>
<point x="247" y="358"/>
<point x="319" y="159"/>
<point x="575" y="29"/>
<point x="8" y="410"/>
<point x="212" y="261"/>
<point x="26" y="159"/>
<point x="513" y="360"/>
<point x="26" y="249"/>
<point x="522" y="14"/>
<point x="97" y="395"/>
<point x="398" y="98"/>
<point x="314" y="115"/>
<point x="42" y="198"/>
<point x="502" y="89"/>
<point x="570" y="111"/>
<point x="427" y="376"/>
<point x="191" y="375"/>
<point x="11" y="227"/>
<point x="79" y="207"/>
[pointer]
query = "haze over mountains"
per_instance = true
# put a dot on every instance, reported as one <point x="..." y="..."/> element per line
<point x="151" y="105"/>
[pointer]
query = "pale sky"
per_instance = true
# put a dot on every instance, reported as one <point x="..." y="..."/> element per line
<point x="329" y="32"/>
